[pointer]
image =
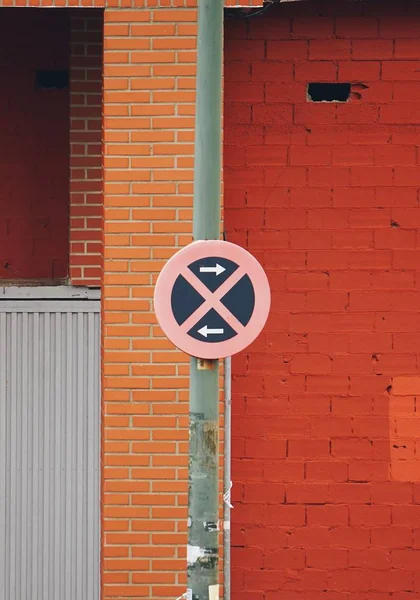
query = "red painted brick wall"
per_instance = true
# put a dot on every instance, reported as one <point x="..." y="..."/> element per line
<point x="326" y="456"/>
<point x="34" y="183"/>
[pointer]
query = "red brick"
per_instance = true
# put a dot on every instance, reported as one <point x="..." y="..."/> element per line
<point x="405" y="559"/>
<point x="370" y="515"/>
<point x="357" y="114"/>
<point x="371" y="176"/>
<point x="370" y="559"/>
<point x="313" y="197"/>
<point x="327" y="176"/>
<point x="326" y="471"/>
<point x="395" y="238"/>
<point x="372" y="49"/>
<point x="375" y="342"/>
<point x="324" y="218"/>
<point x="284" y="471"/>
<point x="308" y="404"/>
<point x="310" y="155"/>
<point x="285" y="559"/>
<point x="396" y="363"/>
<point x="329" y="49"/>
<point x="392" y="493"/>
<point x="354" y="493"/>
<point x="330" y="426"/>
<point x="288" y="92"/>
<point x="307" y="281"/>
<point x="391" y="581"/>
<point x="350" y="580"/>
<point x="330" y="301"/>
<point x="400" y="71"/>
<point x="405" y="386"/>
<point x="406" y="92"/>
<point x="305" y="27"/>
<point x="352" y="239"/>
<point x="287" y="50"/>
<point x="328" y="385"/>
<point x="392" y="537"/>
<point x="309" y="449"/>
<point x="273" y="448"/>
<point x="397" y="26"/>
<point x="285" y="515"/>
<point x="369" y="471"/>
<point x="356" y="71"/>
<point x="407" y="113"/>
<point x="328" y="342"/>
<point x="271" y="71"/>
<point x="350" y="537"/>
<point x="353" y="155"/>
<point x="356" y="27"/>
<point x="327" y="136"/>
<point x="265" y="155"/>
<point x="370" y="259"/>
<point x="356" y="280"/>
<point x="311" y="114"/>
<point x="312" y="493"/>
<point x="330" y="515"/>
<point x="266" y="493"/>
<point x="353" y="365"/>
<point x="327" y="558"/>
<point x="270" y="29"/>
<point x="315" y="71"/>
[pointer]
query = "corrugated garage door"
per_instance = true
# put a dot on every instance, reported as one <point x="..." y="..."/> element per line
<point x="49" y="449"/>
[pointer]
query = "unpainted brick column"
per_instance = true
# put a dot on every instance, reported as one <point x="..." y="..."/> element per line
<point x="86" y="193"/>
<point x="149" y="89"/>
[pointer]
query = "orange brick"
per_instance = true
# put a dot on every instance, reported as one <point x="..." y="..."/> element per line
<point x="406" y="386"/>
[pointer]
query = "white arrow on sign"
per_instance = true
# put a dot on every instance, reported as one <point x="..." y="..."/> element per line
<point x="205" y="331"/>
<point x="218" y="269"/>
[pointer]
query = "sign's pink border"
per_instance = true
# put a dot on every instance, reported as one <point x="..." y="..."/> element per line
<point x="166" y="281"/>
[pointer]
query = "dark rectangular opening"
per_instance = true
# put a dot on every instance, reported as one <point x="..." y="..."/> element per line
<point x="52" y="79"/>
<point x="329" y="92"/>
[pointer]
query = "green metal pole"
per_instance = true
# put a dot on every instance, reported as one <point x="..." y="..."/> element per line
<point x="203" y="497"/>
<point x="208" y="124"/>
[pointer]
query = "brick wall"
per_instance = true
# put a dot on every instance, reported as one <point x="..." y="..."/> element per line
<point x="326" y="464"/>
<point x="86" y="185"/>
<point x="149" y="82"/>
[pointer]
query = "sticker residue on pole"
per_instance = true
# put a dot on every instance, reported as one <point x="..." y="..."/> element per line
<point x="194" y="553"/>
<point x="213" y="592"/>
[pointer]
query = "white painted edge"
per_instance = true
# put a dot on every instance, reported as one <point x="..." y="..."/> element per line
<point x="49" y="306"/>
<point x="49" y="292"/>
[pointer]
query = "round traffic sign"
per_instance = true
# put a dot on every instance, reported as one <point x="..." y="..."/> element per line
<point x="212" y="299"/>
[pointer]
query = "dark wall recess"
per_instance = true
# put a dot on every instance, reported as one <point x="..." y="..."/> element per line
<point x="329" y="92"/>
<point x="52" y="79"/>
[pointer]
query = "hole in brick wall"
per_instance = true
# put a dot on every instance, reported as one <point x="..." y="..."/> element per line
<point x="329" y="92"/>
<point x="52" y="79"/>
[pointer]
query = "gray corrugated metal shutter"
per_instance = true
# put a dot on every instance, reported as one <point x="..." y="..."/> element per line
<point x="49" y="449"/>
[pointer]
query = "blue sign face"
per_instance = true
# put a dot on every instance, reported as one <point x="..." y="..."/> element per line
<point x="235" y="305"/>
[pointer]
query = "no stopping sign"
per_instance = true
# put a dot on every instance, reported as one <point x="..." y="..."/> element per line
<point x="212" y="299"/>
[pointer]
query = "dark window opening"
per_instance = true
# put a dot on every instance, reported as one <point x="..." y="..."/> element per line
<point x="54" y="79"/>
<point x="34" y="146"/>
<point x="329" y="92"/>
